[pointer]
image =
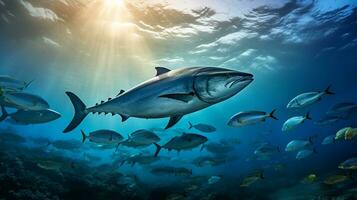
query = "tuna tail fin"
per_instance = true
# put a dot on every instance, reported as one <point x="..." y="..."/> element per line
<point x="80" y="112"/>
<point x="4" y="114"/>
<point x="83" y="136"/>
<point x="158" y="148"/>
<point x="328" y="91"/>
<point x="307" y="116"/>
<point x="271" y="115"/>
<point x="190" y="125"/>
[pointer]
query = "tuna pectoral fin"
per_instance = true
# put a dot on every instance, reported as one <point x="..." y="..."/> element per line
<point x="185" y="97"/>
<point x="80" y="112"/>
<point x="328" y="90"/>
<point x="4" y="114"/>
<point x="173" y="120"/>
<point x="307" y="116"/>
<point x="158" y="148"/>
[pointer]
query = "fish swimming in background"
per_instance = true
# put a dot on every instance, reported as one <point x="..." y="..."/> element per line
<point x="214" y="179"/>
<point x="168" y="170"/>
<point x="350" y="164"/>
<point x="311" y="178"/>
<point x="347" y="133"/>
<point x="10" y="83"/>
<point x="307" y="99"/>
<point x="302" y="154"/>
<point x="202" y="127"/>
<point x="171" y="93"/>
<point x="26" y="117"/>
<point x="294" y="122"/>
<point x="252" y="178"/>
<point x="297" y="145"/>
<point x="266" y="150"/>
<point x="140" y="138"/>
<point x="184" y="142"/>
<point x="327" y="120"/>
<point x="250" y="117"/>
<point x="22" y="100"/>
<point x="328" y="140"/>
<point x="103" y="137"/>
<point x="341" y="108"/>
<point x="335" y="179"/>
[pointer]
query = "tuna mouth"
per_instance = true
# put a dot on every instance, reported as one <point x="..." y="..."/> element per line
<point x="243" y="80"/>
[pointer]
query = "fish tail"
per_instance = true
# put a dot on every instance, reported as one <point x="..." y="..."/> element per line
<point x="190" y="125"/>
<point x="83" y="136"/>
<point x="310" y="140"/>
<point x="271" y="114"/>
<point x="80" y="112"/>
<point x="328" y="90"/>
<point x="28" y="83"/>
<point x="158" y="148"/>
<point x="4" y="114"/>
<point x="307" y="116"/>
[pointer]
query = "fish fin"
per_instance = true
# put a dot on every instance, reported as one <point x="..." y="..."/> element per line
<point x="173" y="120"/>
<point x="307" y="116"/>
<point x="190" y="125"/>
<point x="28" y="84"/>
<point x="202" y="147"/>
<point x="271" y="115"/>
<point x="83" y="136"/>
<point x="328" y="90"/>
<point x="161" y="70"/>
<point x="120" y="92"/>
<point x="180" y="97"/>
<point x="4" y="114"/>
<point x="80" y="112"/>
<point x="124" y="117"/>
<point x="158" y="148"/>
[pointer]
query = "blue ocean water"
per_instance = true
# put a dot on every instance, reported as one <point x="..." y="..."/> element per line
<point x="95" y="49"/>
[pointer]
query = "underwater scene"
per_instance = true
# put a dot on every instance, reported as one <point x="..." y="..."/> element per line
<point x="178" y="99"/>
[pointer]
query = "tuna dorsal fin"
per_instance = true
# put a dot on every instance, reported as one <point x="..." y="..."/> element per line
<point x="173" y="120"/>
<point x="124" y="117"/>
<point x="180" y="97"/>
<point x="161" y="70"/>
<point x="120" y="92"/>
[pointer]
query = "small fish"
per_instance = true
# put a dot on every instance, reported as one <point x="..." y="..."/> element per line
<point x="66" y="144"/>
<point x="202" y="127"/>
<point x="335" y="179"/>
<point x="184" y="142"/>
<point x="329" y="140"/>
<point x="350" y="164"/>
<point x="303" y="154"/>
<point x="307" y="99"/>
<point x="294" y="122"/>
<point x="214" y="179"/>
<point x="54" y="165"/>
<point x="311" y="178"/>
<point x="141" y="138"/>
<point x="22" y="100"/>
<point x="266" y="150"/>
<point x="327" y="120"/>
<point x="347" y="133"/>
<point x="209" y="161"/>
<point x="252" y="178"/>
<point x="250" y="117"/>
<point x="26" y="117"/>
<point x="8" y="82"/>
<point x="140" y="159"/>
<point x="218" y="148"/>
<point x="297" y="145"/>
<point x="103" y="137"/>
<point x="341" y="108"/>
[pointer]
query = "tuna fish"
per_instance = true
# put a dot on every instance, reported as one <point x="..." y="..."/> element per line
<point x="184" y="142"/>
<point x="140" y="138"/>
<point x="294" y="122"/>
<point x="105" y="137"/>
<point x="350" y="164"/>
<point x="202" y="127"/>
<point x="307" y="99"/>
<point x="170" y="94"/>
<point x="250" y="117"/>
<point x="168" y="170"/>
<point x="26" y="117"/>
<point x="341" y="108"/>
<point x="328" y="140"/>
<point x="22" y="100"/>
<point x="10" y="83"/>
<point x="252" y="178"/>
<point x="297" y="145"/>
<point x="305" y="153"/>
<point x="266" y="150"/>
